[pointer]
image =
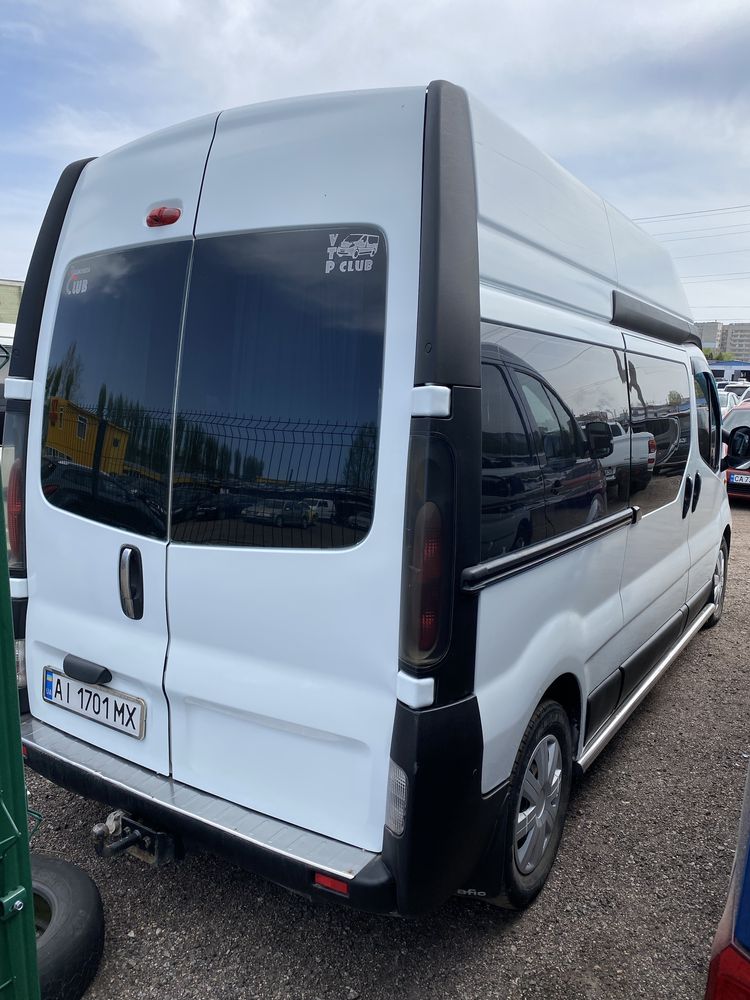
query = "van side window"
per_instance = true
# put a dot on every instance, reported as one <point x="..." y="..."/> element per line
<point x="279" y="390"/>
<point x="512" y="487"/>
<point x="588" y="389"/>
<point x="112" y="370"/>
<point x="660" y="411"/>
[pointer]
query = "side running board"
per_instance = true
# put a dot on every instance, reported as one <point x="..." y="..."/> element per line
<point x="592" y="750"/>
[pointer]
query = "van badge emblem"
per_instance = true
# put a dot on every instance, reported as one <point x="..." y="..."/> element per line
<point x="355" y="252"/>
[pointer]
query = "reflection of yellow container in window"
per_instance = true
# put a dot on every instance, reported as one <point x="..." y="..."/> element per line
<point x="72" y="432"/>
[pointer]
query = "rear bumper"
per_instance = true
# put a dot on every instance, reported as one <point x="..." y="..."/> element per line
<point x="280" y="852"/>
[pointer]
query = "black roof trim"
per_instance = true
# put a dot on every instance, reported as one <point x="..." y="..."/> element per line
<point x="26" y="337"/>
<point x="641" y="317"/>
<point x="448" y="315"/>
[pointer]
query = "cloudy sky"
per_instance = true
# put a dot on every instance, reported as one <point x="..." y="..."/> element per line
<point x="648" y="102"/>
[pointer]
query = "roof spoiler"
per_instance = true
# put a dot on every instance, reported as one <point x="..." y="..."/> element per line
<point x="642" y="317"/>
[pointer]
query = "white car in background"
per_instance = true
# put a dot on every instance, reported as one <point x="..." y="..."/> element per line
<point x="727" y="401"/>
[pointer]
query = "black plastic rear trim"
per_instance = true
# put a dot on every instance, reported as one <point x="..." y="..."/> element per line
<point x="641" y="317"/>
<point x="449" y="823"/>
<point x="26" y="337"/>
<point x="448" y="316"/>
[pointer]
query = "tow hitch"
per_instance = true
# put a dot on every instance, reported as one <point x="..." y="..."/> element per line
<point x="120" y="832"/>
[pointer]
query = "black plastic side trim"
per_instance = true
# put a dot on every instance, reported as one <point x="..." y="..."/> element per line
<point x="448" y="315"/>
<point x="602" y="702"/>
<point x="641" y="317"/>
<point x="372" y="890"/>
<point x="635" y="668"/>
<point x="482" y="575"/>
<point x="696" y="604"/>
<point x="85" y="670"/>
<point x="26" y="337"/>
<point x="449" y="823"/>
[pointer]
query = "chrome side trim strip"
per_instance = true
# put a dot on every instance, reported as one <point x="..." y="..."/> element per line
<point x="623" y="713"/>
<point x="311" y="849"/>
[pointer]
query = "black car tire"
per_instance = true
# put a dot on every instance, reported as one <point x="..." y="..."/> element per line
<point x="549" y="719"/>
<point x="70" y="928"/>
<point x="716" y="616"/>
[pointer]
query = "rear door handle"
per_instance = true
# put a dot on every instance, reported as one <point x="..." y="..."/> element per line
<point x="556" y="487"/>
<point x="688" y="496"/>
<point x="131" y="582"/>
<point x="696" y="490"/>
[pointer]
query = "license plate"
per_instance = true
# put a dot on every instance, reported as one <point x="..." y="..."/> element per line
<point x="111" y="708"/>
<point x="735" y="477"/>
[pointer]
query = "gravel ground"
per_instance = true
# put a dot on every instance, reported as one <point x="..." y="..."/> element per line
<point x="629" y="910"/>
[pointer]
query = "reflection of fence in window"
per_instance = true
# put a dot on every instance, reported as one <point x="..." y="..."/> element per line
<point x="233" y="449"/>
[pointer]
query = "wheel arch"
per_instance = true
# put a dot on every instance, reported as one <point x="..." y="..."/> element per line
<point x="566" y="690"/>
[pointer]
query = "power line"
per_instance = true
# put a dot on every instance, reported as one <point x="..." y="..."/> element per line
<point x="683" y="215"/>
<point x="713" y="236"/>
<point x="709" y="281"/>
<point x="712" y="253"/>
<point x="704" y="229"/>
<point x="717" y="274"/>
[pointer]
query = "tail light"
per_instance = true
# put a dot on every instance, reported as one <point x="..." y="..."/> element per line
<point x="427" y="582"/>
<point x="14" y="481"/>
<point x="729" y="976"/>
<point x="651" y="451"/>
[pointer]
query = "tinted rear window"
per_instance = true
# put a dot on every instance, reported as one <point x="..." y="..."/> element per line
<point x="279" y="389"/>
<point x="110" y="387"/>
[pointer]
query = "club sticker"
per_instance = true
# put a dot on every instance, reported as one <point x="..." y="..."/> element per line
<point x="355" y="252"/>
<point x="77" y="283"/>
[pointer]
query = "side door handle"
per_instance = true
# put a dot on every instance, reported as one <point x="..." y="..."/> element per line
<point x="696" y="490"/>
<point x="131" y="582"/>
<point x="688" y="496"/>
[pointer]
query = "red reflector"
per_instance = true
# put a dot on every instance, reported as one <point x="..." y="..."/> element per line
<point x="24" y="750"/>
<point x="15" y="509"/>
<point x="162" y="216"/>
<point x="334" y="884"/>
<point x="430" y="526"/>
<point x="729" y="976"/>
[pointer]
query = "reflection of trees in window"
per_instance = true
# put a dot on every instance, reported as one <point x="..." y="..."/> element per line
<point x="674" y="397"/>
<point x="359" y="470"/>
<point x="64" y="378"/>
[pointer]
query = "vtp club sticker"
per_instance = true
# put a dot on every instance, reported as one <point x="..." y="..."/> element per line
<point x="355" y="252"/>
<point x="77" y="284"/>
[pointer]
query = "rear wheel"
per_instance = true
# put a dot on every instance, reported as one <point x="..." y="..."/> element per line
<point x="539" y="793"/>
<point x="69" y="928"/>
<point x="719" y="585"/>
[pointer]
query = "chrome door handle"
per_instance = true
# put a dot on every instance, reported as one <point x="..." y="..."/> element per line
<point x="131" y="582"/>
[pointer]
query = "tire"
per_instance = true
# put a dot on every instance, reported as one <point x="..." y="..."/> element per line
<point x="719" y="586"/>
<point x="70" y="928"/>
<point x="548" y="724"/>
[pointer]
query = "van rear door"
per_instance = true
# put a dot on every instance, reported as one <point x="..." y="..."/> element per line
<point x="295" y="383"/>
<point x="97" y="485"/>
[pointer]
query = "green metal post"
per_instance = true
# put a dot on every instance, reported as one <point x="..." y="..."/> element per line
<point x="18" y="971"/>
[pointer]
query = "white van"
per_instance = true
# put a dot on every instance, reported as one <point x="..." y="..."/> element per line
<point x="386" y="707"/>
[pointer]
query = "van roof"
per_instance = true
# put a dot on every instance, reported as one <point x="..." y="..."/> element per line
<point x="542" y="233"/>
